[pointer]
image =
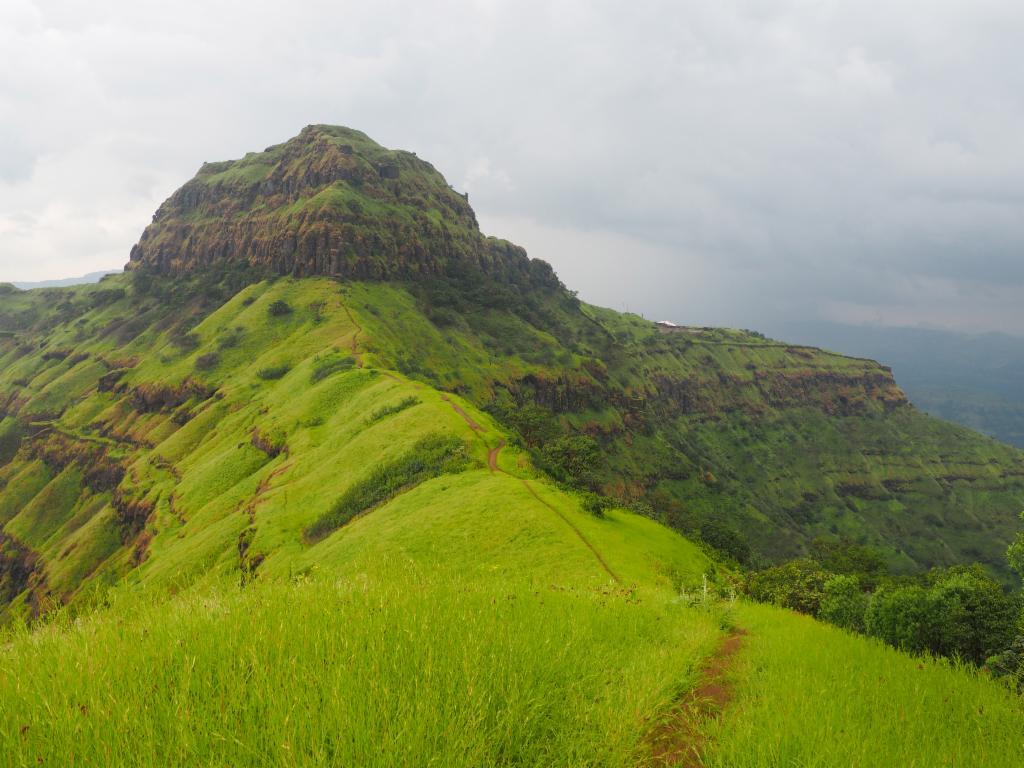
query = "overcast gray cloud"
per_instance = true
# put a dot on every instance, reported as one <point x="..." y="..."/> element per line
<point x="713" y="162"/>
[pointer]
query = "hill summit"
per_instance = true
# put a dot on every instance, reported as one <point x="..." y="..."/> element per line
<point x="329" y="202"/>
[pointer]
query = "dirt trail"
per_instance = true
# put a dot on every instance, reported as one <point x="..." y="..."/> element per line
<point x="492" y="456"/>
<point x="356" y="354"/>
<point x="679" y="740"/>
<point x="465" y="416"/>
<point x="492" y="462"/>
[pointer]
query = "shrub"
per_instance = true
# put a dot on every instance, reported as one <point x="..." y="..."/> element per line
<point x="844" y="603"/>
<point x="1009" y="665"/>
<point x="390" y="410"/>
<point x="969" y="614"/>
<point x="273" y="372"/>
<point x="798" y="584"/>
<point x="576" y="458"/>
<point x="279" y="308"/>
<point x="430" y="457"/>
<point x="207" y="362"/>
<point x="899" y="616"/>
<point x="596" y="504"/>
<point x="325" y="366"/>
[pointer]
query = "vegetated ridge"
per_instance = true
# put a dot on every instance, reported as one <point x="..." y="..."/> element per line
<point x="406" y="489"/>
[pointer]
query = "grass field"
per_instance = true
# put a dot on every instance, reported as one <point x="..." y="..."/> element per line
<point x="812" y="696"/>
<point x="387" y="668"/>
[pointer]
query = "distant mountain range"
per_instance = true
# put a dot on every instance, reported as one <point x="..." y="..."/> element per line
<point x="973" y="379"/>
<point x="92" y="277"/>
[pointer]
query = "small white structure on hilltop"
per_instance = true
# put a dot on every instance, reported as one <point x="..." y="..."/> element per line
<point x="666" y="324"/>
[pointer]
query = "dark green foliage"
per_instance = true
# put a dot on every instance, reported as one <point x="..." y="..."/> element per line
<point x="279" y="308"/>
<point x="7" y="288"/>
<point x="1015" y="553"/>
<point x="185" y="341"/>
<point x="389" y="410"/>
<point x="432" y="456"/>
<point x="596" y="504"/>
<point x="207" y="362"/>
<point x="576" y="459"/>
<point x="844" y="603"/>
<point x="899" y="616"/>
<point x="10" y="439"/>
<point x="959" y="612"/>
<point x="798" y="584"/>
<point x="726" y="540"/>
<point x="329" y="364"/>
<point x="1009" y="665"/>
<point x="273" y="372"/>
<point x="17" y="562"/>
<point x="847" y="558"/>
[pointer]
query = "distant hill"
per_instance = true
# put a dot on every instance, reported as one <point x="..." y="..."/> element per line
<point x="92" y="277"/>
<point x="972" y="379"/>
<point x="114" y="392"/>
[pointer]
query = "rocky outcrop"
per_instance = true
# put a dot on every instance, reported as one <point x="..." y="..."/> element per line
<point x="328" y="202"/>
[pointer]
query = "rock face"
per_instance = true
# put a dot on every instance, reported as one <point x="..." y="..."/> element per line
<point x="328" y="202"/>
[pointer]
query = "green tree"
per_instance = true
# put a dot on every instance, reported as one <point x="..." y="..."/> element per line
<point x="1015" y="553"/>
<point x="798" y="584"/>
<point x="899" y="616"/>
<point x="969" y="614"/>
<point x="844" y="603"/>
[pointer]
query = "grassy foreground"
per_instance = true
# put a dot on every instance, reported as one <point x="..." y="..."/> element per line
<point x="402" y="670"/>
<point x="810" y="695"/>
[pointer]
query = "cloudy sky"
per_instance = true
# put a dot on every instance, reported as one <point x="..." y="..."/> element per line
<point x="737" y="163"/>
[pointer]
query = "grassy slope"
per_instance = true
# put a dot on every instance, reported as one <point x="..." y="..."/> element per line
<point x="254" y="466"/>
<point x="814" y="696"/>
<point x="464" y="622"/>
<point x="786" y="463"/>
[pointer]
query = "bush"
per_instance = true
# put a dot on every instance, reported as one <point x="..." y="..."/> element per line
<point x="1009" y="665"/>
<point x="273" y="372"/>
<point x="969" y="614"/>
<point x="798" y="584"/>
<point x="577" y="459"/>
<point x="279" y="308"/>
<point x="325" y="366"/>
<point x="207" y="362"/>
<point x="432" y="456"/>
<point x="899" y="616"/>
<point x="390" y="410"/>
<point x="596" y="504"/>
<point x="844" y="603"/>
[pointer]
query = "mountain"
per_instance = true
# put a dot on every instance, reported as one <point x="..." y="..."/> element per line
<point x="151" y="421"/>
<point x="328" y="477"/>
<point x="92" y="277"/>
<point x="972" y="379"/>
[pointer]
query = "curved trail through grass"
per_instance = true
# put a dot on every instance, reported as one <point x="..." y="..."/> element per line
<point x="465" y="416"/>
<point x="492" y="462"/>
<point x="680" y="740"/>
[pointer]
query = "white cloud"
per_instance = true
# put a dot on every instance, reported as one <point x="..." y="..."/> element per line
<point x="750" y="160"/>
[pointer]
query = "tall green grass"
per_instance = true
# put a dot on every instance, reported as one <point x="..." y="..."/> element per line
<point x="812" y="696"/>
<point x="370" y="671"/>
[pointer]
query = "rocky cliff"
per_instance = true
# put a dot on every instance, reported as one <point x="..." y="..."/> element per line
<point x="328" y="202"/>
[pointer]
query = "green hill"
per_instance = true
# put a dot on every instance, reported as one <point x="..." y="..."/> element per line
<point x="414" y="500"/>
